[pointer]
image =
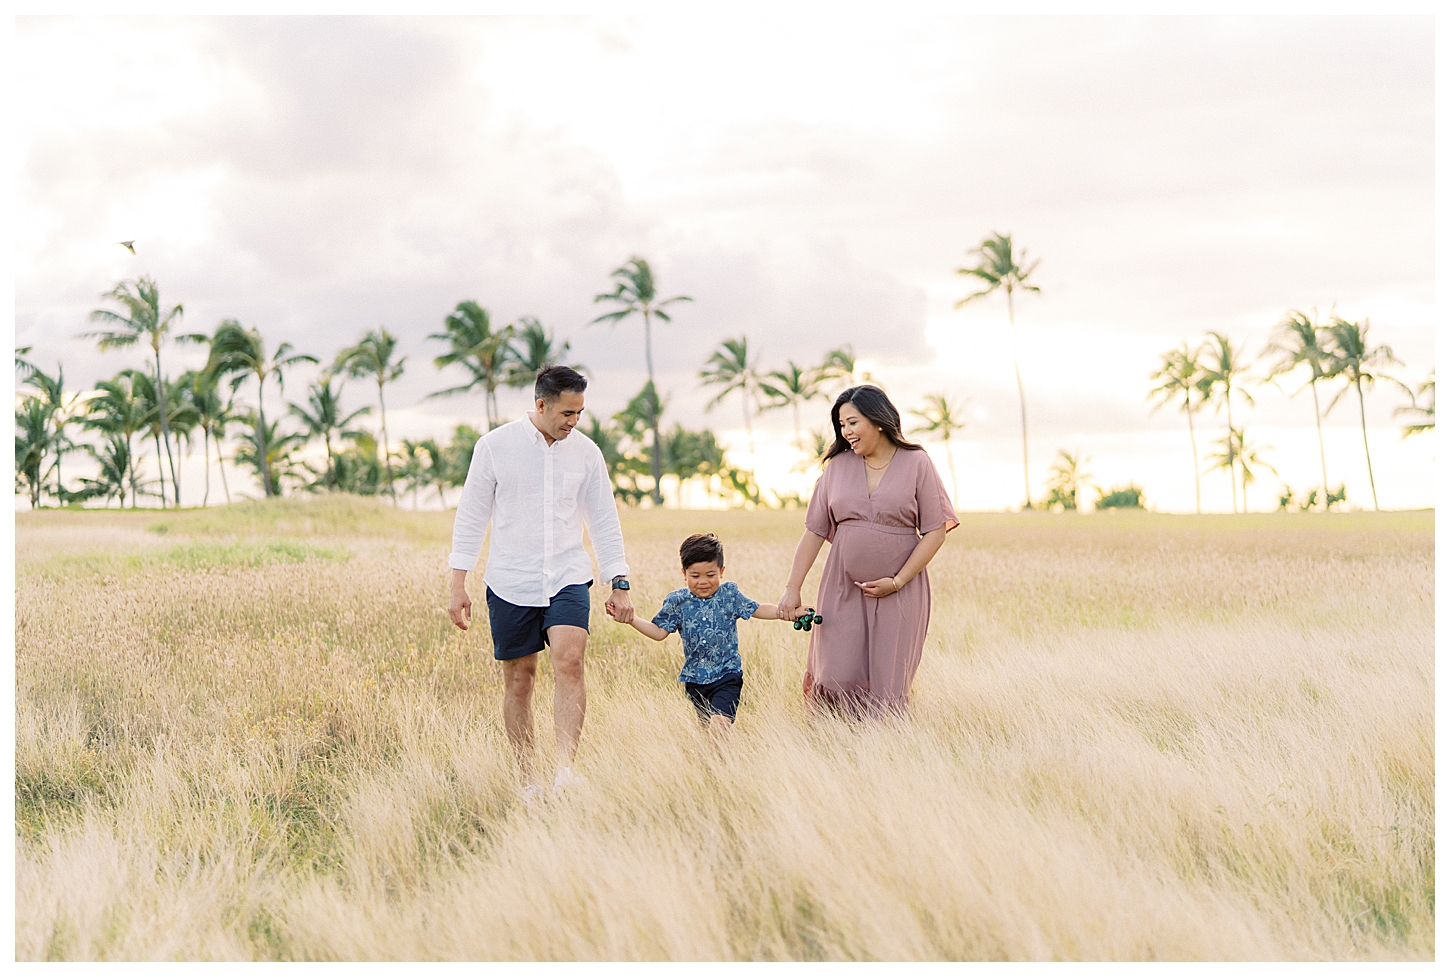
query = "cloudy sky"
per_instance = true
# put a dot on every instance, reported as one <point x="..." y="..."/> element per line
<point x="809" y="184"/>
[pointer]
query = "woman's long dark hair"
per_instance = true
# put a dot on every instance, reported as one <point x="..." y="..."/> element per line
<point x="877" y="408"/>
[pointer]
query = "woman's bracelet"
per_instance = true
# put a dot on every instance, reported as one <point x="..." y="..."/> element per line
<point x="896" y="585"/>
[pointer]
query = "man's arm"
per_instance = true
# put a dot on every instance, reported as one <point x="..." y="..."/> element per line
<point x="470" y="523"/>
<point x="602" y="520"/>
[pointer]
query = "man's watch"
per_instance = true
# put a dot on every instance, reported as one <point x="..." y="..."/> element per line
<point x="620" y="583"/>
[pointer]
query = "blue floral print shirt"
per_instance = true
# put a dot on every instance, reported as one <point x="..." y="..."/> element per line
<point x="707" y="630"/>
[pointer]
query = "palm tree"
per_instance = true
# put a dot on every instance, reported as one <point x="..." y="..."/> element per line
<point x="178" y="416"/>
<point x="791" y="387"/>
<point x="730" y="369"/>
<point x="213" y="415"/>
<point x="33" y="441"/>
<point x="276" y="455"/>
<point x="942" y="417"/>
<point x="114" y="459"/>
<point x="1179" y="376"/>
<point x="690" y="455"/>
<point x="433" y="474"/>
<point x="323" y="416"/>
<point x="241" y="353"/>
<point x="1067" y="474"/>
<point x="1352" y="357"/>
<point x="1001" y="270"/>
<point x="142" y="316"/>
<point x="839" y="366"/>
<point x="1426" y="412"/>
<point x="1222" y="376"/>
<point x="63" y="413"/>
<point x="23" y="366"/>
<point x="533" y="350"/>
<point x="475" y="346"/>
<point x="1296" y="341"/>
<point x="373" y="357"/>
<point x="634" y="292"/>
<point x="1235" y="449"/>
<point x="116" y="411"/>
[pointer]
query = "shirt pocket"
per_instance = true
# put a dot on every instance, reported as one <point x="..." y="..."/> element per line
<point x="568" y="492"/>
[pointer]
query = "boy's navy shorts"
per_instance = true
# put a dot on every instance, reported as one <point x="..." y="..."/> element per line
<point x="522" y="631"/>
<point x="718" y="698"/>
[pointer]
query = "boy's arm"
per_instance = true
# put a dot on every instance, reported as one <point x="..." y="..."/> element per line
<point x="769" y="612"/>
<point x="649" y="629"/>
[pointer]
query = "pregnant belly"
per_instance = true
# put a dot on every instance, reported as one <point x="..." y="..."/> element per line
<point x="865" y="553"/>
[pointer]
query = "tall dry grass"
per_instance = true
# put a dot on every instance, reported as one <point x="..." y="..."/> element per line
<point x="252" y="733"/>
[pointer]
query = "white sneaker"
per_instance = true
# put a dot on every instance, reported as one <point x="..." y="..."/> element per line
<point x="532" y="794"/>
<point x="567" y="779"/>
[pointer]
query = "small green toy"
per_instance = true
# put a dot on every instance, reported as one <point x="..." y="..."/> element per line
<point x="804" y="622"/>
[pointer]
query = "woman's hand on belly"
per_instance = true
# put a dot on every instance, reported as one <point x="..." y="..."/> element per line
<point x="884" y="587"/>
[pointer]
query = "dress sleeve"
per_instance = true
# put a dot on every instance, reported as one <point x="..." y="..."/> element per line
<point x="933" y="505"/>
<point x="818" y="514"/>
<point x="744" y="606"/>
<point x="668" y="619"/>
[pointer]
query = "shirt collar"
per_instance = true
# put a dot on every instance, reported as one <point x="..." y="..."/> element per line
<point x="534" y="432"/>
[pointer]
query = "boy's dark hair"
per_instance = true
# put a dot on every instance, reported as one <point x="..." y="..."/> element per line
<point x="701" y="548"/>
<point x="554" y="380"/>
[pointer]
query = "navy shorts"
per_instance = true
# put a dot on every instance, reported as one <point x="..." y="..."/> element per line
<point x="522" y="631"/>
<point x="718" y="698"/>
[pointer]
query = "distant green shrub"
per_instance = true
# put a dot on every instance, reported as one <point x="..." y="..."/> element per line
<point x="1127" y="497"/>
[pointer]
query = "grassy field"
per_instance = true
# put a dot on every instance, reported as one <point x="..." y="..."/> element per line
<point x="252" y="733"/>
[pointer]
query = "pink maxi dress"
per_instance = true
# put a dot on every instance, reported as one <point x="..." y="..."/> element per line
<point x="864" y="654"/>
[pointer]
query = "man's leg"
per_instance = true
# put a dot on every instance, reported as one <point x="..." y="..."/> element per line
<point x="566" y="651"/>
<point x="518" y="710"/>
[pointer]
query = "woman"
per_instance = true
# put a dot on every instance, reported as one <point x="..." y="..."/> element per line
<point x="884" y="510"/>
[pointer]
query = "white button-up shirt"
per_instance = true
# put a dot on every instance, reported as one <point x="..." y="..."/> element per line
<point x="536" y="494"/>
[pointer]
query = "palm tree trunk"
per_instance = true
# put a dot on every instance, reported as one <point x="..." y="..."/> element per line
<point x="205" y="466"/>
<point x="749" y="434"/>
<point x="1365" y="432"/>
<point x="331" y="481"/>
<point x="1193" y="442"/>
<point x="222" y="471"/>
<point x="1319" y="429"/>
<point x="165" y="432"/>
<point x="1233" y="475"/>
<point x="654" y="421"/>
<point x="1021" y="399"/>
<point x="387" y="451"/>
<point x="795" y="407"/>
<point x="161" y="472"/>
<point x="261" y="448"/>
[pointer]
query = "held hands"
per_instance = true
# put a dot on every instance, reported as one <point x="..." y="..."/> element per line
<point x="884" y="587"/>
<point x="789" y="606"/>
<point x="620" y="607"/>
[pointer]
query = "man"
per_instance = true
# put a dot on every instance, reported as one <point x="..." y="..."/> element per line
<point x="535" y="482"/>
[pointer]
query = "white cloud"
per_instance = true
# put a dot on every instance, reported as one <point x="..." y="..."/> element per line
<point x="810" y="183"/>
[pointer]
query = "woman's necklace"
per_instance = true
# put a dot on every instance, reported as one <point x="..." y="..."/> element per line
<point x="883" y="467"/>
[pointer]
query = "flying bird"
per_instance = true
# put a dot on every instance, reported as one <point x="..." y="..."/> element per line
<point x="127" y="245"/>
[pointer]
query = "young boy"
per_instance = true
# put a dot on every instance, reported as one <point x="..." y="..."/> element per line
<point x="704" y="613"/>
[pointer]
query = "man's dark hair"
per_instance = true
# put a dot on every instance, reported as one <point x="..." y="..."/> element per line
<point x="554" y="380"/>
<point x="701" y="548"/>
